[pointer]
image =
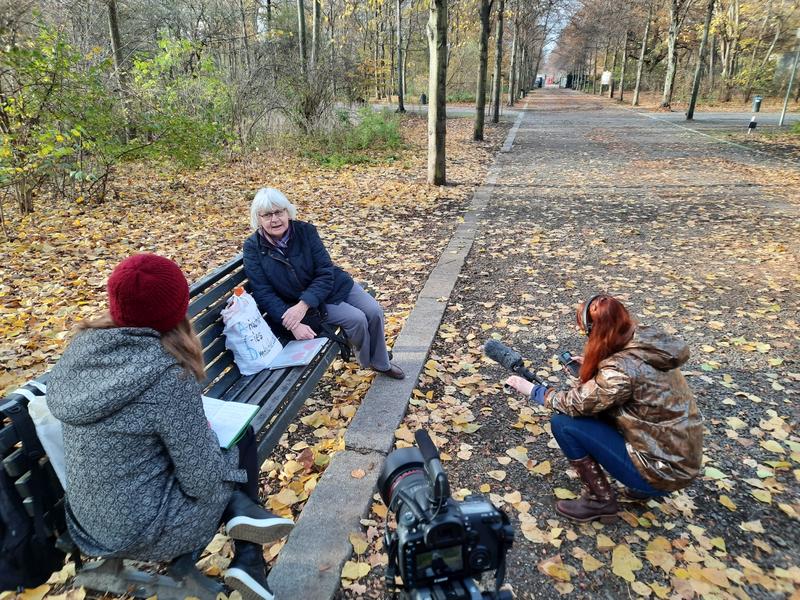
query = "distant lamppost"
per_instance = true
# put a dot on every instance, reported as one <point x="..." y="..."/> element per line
<point x="791" y="80"/>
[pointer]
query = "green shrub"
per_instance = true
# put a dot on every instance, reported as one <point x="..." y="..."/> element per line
<point x="374" y="138"/>
<point x="461" y="96"/>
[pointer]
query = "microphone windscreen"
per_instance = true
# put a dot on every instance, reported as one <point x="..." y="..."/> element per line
<point x="425" y="444"/>
<point x="502" y="354"/>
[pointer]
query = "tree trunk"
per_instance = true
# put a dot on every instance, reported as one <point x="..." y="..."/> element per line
<point x="301" y="35"/>
<point x="480" y="92"/>
<point x="613" y="68"/>
<point x="642" y="52"/>
<point x="400" y="83"/>
<point x="316" y="18"/>
<point x="437" y="91"/>
<point x="498" y="63"/>
<point x="712" y="50"/>
<point x="512" y="71"/>
<point x="594" y="72"/>
<point x="698" y="72"/>
<point x="245" y="38"/>
<point x="624" y="65"/>
<point x="120" y="66"/>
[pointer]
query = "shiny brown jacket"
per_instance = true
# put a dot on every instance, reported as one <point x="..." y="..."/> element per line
<point x="642" y="390"/>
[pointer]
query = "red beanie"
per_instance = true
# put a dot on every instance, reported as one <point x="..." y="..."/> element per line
<point x="146" y="290"/>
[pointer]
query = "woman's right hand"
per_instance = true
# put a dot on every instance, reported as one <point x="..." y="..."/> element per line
<point x="302" y="331"/>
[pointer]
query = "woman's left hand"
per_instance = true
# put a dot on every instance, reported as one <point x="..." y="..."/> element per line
<point x="520" y="384"/>
<point x="294" y="315"/>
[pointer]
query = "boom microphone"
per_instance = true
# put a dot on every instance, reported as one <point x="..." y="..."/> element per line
<point x="510" y="359"/>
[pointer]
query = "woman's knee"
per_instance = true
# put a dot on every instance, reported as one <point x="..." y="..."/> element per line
<point x="559" y="422"/>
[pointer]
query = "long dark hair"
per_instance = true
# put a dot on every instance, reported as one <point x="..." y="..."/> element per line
<point x="612" y="328"/>
<point x="181" y="342"/>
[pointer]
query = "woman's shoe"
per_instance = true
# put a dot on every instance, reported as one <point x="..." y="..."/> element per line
<point x="247" y="572"/>
<point x="394" y="372"/>
<point x="246" y="520"/>
<point x="634" y="495"/>
<point x="597" y="501"/>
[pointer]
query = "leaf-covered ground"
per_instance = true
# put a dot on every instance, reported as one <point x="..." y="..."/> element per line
<point x="697" y="237"/>
<point x="381" y="222"/>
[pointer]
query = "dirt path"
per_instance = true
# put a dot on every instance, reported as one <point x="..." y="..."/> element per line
<point x="698" y="237"/>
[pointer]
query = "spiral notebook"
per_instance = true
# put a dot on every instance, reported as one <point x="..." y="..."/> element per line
<point x="228" y="419"/>
<point x="297" y="353"/>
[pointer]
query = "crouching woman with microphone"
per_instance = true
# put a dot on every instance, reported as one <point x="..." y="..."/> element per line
<point x="631" y="412"/>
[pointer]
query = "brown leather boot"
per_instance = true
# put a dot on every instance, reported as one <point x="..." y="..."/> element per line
<point x="597" y="501"/>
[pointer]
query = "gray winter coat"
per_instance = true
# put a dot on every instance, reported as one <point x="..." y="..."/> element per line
<point x="146" y="478"/>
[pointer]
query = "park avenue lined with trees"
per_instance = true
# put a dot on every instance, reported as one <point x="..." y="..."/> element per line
<point x="147" y="125"/>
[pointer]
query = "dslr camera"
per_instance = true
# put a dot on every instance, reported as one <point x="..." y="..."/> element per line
<point x="440" y="545"/>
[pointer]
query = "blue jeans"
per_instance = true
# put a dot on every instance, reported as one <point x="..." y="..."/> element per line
<point x="579" y="437"/>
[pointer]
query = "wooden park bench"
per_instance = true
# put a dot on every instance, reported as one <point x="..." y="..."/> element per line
<point x="279" y="393"/>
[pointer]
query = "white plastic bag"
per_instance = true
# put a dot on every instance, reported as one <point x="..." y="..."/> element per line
<point x="247" y="334"/>
<point x="48" y="429"/>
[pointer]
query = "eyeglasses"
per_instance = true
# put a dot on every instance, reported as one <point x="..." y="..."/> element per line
<point x="268" y="216"/>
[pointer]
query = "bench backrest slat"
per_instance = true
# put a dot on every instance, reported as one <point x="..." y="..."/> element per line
<point x="215" y="276"/>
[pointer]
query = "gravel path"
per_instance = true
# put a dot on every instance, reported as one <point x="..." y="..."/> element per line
<point x="697" y="236"/>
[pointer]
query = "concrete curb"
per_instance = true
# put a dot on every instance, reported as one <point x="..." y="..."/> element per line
<point x="309" y="564"/>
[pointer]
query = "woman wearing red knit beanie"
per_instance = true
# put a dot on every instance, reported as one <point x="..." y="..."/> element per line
<point x="146" y="478"/>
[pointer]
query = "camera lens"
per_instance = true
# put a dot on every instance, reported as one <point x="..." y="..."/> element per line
<point x="404" y="469"/>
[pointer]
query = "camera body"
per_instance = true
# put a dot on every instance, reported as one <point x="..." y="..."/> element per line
<point x="440" y="544"/>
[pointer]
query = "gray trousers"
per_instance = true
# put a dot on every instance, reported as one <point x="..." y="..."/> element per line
<point x="361" y="317"/>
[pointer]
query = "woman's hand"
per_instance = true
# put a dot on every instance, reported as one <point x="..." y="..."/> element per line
<point x="302" y="331"/>
<point x="520" y="384"/>
<point x="292" y="317"/>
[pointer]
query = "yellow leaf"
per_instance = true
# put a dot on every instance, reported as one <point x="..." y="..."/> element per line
<point x="762" y="496"/>
<point x="624" y="563"/>
<point x="285" y="497"/>
<point x="357" y="473"/>
<point x="564" y="494"/>
<point x="718" y="543"/>
<point x="513" y="498"/>
<point x="752" y="526"/>
<point x="641" y="588"/>
<point x="773" y="446"/>
<point x="727" y="502"/>
<point x="359" y="542"/>
<point x="554" y="567"/>
<point x="604" y="542"/>
<point x="497" y="474"/>
<point x="659" y="554"/>
<point x="590" y="563"/>
<point x="485" y="488"/>
<point x="659" y="590"/>
<point x="379" y="509"/>
<point x="36" y="593"/>
<point x="543" y="468"/>
<point x="354" y="570"/>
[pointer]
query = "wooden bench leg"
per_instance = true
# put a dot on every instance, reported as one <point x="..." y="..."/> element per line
<point x="113" y="575"/>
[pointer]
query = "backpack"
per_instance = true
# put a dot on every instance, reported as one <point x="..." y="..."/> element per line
<point x="28" y="553"/>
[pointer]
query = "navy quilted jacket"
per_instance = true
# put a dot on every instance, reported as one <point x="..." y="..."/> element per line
<point x="305" y="272"/>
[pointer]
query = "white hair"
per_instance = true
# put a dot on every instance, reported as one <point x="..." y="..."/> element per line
<point x="266" y="200"/>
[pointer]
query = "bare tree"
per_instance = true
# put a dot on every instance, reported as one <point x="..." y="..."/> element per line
<point x="642" y="53"/>
<point x="316" y="17"/>
<point x="698" y="72"/>
<point x="480" y="93"/>
<point x="437" y="91"/>
<point x="120" y="65"/>
<point x="400" y="58"/>
<point x="301" y="34"/>
<point x="498" y="63"/>
<point x="677" y="13"/>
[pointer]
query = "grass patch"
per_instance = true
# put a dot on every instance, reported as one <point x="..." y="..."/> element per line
<point x="374" y="138"/>
<point x="461" y="96"/>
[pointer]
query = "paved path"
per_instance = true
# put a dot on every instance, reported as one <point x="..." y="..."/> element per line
<point x="699" y="235"/>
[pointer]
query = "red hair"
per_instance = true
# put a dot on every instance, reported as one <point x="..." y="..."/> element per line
<point x="612" y="328"/>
